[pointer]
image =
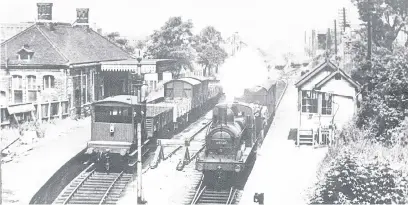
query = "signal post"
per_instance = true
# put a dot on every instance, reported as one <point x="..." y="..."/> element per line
<point x="136" y="89"/>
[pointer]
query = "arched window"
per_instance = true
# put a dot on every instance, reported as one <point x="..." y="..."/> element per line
<point x="48" y="81"/>
<point x="17" y="86"/>
<point x="32" y="88"/>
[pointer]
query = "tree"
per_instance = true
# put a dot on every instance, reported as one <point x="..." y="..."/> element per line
<point x="385" y="91"/>
<point x="121" y="42"/>
<point x="140" y="44"/>
<point x="389" y="18"/>
<point x="174" y="40"/>
<point x="209" y="52"/>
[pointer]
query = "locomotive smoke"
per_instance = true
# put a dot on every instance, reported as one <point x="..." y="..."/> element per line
<point x="244" y="70"/>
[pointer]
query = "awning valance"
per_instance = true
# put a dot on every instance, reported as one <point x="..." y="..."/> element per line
<point x="119" y="67"/>
<point x="128" y="68"/>
<point x="14" y="109"/>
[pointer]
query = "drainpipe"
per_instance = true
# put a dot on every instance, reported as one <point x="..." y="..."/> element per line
<point x="300" y="119"/>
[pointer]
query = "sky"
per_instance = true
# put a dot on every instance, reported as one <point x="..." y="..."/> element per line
<point x="268" y="24"/>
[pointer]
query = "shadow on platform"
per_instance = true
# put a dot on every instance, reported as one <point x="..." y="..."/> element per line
<point x="292" y="134"/>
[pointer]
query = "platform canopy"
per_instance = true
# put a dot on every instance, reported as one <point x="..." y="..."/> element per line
<point x="14" y="109"/>
<point x="147" y="65"/>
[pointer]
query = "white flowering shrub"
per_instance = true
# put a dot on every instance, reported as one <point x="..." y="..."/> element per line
<point x="347" y="182"/>
<point x="361" y="170"/>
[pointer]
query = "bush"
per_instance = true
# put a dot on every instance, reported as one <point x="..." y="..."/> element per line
<point x="347" y="182"/>
<point x="359" y="169"/>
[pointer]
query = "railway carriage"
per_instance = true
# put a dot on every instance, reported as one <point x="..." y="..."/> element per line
<point x="114" y="120"/>
<point x="114" y="130"/>
<point x="263" y="94"/>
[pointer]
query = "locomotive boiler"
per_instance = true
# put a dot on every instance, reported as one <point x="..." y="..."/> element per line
<point x="232" y="140"/>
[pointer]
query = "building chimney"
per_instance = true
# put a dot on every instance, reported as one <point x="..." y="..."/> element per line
<point x="82" y="17"/>
<point x="44" y="12"/>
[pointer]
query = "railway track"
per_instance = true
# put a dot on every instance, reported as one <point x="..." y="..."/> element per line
<point x="207" y="195"/>
<point x="93" y="187"/>
<point x="190" y="139"/>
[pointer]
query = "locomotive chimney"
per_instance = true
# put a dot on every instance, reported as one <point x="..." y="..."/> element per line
<point x="44" y="12"/>
<point x="82" y="17"/>
<point x="222" y="115"/>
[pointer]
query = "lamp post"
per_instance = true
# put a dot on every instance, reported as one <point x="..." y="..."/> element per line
<point x="137" y="88"/>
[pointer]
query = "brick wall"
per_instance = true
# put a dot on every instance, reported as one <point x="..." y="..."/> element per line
<point x="57" y="93"/>
<point x="65" y="80"/>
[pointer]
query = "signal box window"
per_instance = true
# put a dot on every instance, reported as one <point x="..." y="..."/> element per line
<point x="113" y="114"/>
<point x="327" y="101"/>
<point x="309" y="101"/>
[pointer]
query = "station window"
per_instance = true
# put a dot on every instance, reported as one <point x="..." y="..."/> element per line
<point x="48" y="81"/>
<point x="31" y="88"/>
<point x="327" y="101"/>
<point x="17" y="84"/>
<point x="309" y="101"/>
<point x="4" y="117"/>
<point x="3" y="98"/>
<point x="54" y="109"/>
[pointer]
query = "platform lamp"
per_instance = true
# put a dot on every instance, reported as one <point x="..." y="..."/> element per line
<point x="38" y="93"/>
<point x="139" y="84"/>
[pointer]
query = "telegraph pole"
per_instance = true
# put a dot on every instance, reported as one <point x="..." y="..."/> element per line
<point x="344" y="19"/>
<point x="369" y="28"/>
<point x="335" y="38"/>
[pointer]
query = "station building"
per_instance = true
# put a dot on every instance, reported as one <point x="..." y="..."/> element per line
<point x="53" y="69"/>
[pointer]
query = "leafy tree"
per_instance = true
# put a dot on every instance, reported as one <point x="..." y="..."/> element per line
<point x="174" y="40"/>
<point x="209" y="51"/>
<point x="385" y="90"/>
<point x="140" y="44"/>
<point x="121" y="42"/>
<point x="389" y="18"/>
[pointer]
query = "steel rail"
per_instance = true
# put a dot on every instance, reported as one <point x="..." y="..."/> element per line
<point x="109" y="188"/>
<point x="80" y="184"/>
<point x="198" y="190"/>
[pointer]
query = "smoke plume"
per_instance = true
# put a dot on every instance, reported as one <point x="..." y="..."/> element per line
<point x="243" y="70"/>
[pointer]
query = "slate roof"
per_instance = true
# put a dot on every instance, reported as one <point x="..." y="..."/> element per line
<point x="63" y="45"/>
<point x="328" y="65"/>
<point x="343" y="74"/>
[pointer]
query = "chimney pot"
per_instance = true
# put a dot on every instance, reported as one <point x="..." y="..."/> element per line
<point x="82" y="16"/>
<point x="44" y="11"/>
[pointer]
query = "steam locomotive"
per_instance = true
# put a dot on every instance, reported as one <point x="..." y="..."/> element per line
<point x="236" y="132"/>
<point x="114" y="128"/>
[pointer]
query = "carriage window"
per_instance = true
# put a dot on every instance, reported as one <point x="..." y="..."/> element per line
<point x="113" y="114"/>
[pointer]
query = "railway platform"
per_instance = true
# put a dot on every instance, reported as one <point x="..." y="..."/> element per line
<point x="283" y="172"/>
<point x="23" y="177"/>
